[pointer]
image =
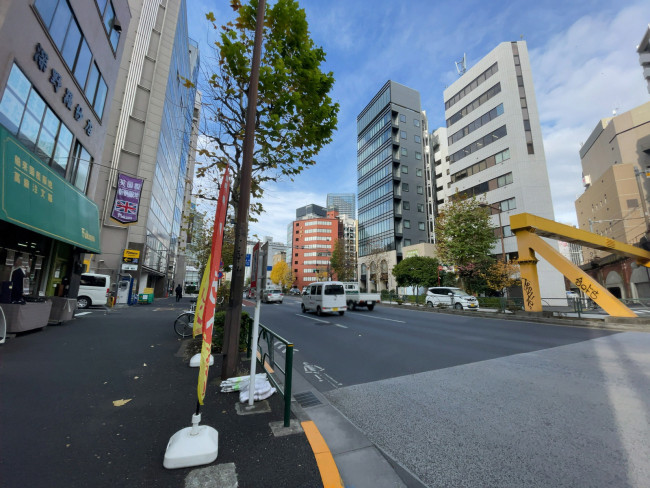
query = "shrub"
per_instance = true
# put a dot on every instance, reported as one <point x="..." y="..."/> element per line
<point x="194" y="347"/>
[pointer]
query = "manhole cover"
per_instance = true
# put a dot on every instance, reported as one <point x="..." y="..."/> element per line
<point x="307" y="399"/>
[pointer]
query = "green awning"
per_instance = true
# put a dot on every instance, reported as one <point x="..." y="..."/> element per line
<point x="36" y="198"/>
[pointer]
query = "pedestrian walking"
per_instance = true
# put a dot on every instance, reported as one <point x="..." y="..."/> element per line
<point x="179" y="292"/>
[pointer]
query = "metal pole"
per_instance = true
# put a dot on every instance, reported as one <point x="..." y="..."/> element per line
<point x="256" y="326"/>
<point x="288" y="373"/>
<point x="233" y="314"/>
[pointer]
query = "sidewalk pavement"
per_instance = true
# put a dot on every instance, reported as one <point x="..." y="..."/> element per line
<point x="60" y="427"/>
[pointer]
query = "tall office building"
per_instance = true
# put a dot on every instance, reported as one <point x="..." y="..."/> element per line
<point x="616" y="175"/>
<point x="390" y="171"/>
<point x="495" y="147"/>
<point x="59" y="61"/>
<point x="147" y="149"/>
<point x="343" y="203"/>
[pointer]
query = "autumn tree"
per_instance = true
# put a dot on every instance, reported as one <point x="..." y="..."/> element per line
<point x="282" y="275"/>
<point x="343" y="262"/>
<point x="499" y="275"/>
<point x="200" y="242"/>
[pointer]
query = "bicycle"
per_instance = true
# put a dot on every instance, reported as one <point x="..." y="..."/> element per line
<point x="184" y="323"/>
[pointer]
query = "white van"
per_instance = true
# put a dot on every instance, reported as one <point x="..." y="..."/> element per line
<point x="328" y="296"/>
<point x="93" y="290"/>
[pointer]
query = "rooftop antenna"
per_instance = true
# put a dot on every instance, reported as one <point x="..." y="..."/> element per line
<point x="461" y="66"/>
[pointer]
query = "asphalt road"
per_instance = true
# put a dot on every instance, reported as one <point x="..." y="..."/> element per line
<point x="466" y="401"/>
<point x="363" y="346"/>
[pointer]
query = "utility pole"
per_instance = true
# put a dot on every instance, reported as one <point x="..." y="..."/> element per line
<point x="232" y="323"/>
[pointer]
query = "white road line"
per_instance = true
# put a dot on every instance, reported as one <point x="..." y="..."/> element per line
<point x="311" y="318"/>
<point x="390" y="320"/>
<point x="341" y="326"/>
<point x="81" y="313"/>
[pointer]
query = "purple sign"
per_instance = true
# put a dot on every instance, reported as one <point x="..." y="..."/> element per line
<point x="127" y="199"/>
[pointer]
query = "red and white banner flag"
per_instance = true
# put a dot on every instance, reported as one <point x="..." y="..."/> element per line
<point x="213" y="281"/>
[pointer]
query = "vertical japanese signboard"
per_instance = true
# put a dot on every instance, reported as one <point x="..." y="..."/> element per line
<point x="127" y="199"/>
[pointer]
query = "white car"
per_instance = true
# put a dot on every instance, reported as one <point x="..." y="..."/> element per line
<point x="451" y="297"/>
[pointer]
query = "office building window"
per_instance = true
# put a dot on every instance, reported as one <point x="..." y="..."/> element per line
<point x="416" y="122"/>
<point x="405" y="169"/>
<point x="404" y="152"/>
<point x="403" y="134"/>
<point x="110" y="22"/>
<point x="417" y="138"/>
<point x="407" y="242"/>
<point x="405" y="186"/>
<point x="26" y="115"/>
<point x="402" y="118"/>
<point x="421" y="226"/>
<point x="421" y="207"/>
<point x="420" y="190"/>
<point x="406" y="205"/>
<point x="418" y="155"/>
<point x="80" y="167"/>
<point x="407" y="224"/>
<point x="64" y="29"/>
<point x="418" y="172"/>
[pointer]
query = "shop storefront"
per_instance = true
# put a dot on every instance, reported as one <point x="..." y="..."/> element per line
<point x="46" y="225"/>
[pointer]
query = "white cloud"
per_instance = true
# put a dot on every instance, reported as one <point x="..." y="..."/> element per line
<point x="580" y="76"/>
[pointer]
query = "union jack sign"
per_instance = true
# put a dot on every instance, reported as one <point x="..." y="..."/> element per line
<point x="127" y="199"/>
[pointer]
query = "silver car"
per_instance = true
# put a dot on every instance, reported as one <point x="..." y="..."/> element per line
<point x="272" y="295"/>
<point x="451" y="297"/>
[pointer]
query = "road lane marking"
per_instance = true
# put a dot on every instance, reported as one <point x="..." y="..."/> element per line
<point x="390" y="320"/>
<point x="311" y="318"/>
<point x="79" y="314"/>
<point x="342" y="326"/>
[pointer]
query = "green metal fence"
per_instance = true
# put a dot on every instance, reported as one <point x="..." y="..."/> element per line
<point x="266" y="347"/>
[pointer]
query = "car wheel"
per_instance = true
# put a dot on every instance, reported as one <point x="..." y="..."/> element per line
<point x="83" y="302"/>
<point x="302" y="308"/>
<point x="319" y="312"/>
<point x="341" y="312"/>
<point x="371" y="306"/>
<point x="458" y="306"/>
<point x="430" y="304"/>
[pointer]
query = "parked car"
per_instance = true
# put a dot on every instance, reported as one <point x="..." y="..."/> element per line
<point x="94" y="289"/>
<point x="294" y="291"/>
<point x="448" y="296"/>
<point x="270" y="295"/>
<point x="328" y="296"/>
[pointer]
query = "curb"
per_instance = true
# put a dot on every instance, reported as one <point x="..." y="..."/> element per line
<point x="326" y="465"/>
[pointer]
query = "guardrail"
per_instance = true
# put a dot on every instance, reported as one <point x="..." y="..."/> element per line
<point x="267" y="359"/>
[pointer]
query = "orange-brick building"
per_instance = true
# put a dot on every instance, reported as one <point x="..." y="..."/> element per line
<point x="312" y="242"/>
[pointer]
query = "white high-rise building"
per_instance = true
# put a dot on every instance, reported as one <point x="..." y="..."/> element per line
<point x="495" y="147"/>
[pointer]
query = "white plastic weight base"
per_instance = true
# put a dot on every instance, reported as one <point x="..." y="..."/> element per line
<point x="195" y="362"/>
<point x="192" y="446"/>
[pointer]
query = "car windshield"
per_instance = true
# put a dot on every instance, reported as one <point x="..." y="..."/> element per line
<point x="458" y="291"/>
<point x="334" y="290"/>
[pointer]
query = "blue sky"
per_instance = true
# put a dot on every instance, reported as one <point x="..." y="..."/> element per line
<point x="583" y="57"/>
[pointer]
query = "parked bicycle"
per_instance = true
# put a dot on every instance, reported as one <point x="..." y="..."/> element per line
<point x="184" y="323"/>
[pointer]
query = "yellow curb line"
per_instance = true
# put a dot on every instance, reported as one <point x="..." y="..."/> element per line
<point x="267" y="366"/>
<point x="326" y="465"/>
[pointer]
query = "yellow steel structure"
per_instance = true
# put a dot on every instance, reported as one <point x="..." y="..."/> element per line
<point x="529" y="229"/>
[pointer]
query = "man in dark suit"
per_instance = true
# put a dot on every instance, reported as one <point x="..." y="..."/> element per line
<point x="17" y="277"/>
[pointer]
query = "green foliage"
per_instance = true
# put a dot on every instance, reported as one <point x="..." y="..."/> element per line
<point x="463" y="232"/>
<point x="343" y="262"/>
<point x="194" y="347"/>
<point x="295" y="115"/>
<point x="416" y="271"/>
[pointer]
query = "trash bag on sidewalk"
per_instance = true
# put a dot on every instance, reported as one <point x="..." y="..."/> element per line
<point x="263" y="390"/>
<point x="240" y="382"/>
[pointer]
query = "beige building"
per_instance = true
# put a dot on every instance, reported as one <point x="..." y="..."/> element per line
<point x="615" y="163"/>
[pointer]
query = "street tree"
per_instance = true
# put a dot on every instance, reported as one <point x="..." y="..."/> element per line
<point x="499" y="275"/>
<point x="343" y="262"/>
<point x="295" y="116"/>
<point x="416" y="271"/>
<point x="464" y="234"/>
<point x="199" y="242"/>
<point x="282" y="275"/>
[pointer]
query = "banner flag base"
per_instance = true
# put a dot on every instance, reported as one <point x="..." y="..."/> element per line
<point x="195" y="361"/>
<point x="192" y="446"/>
